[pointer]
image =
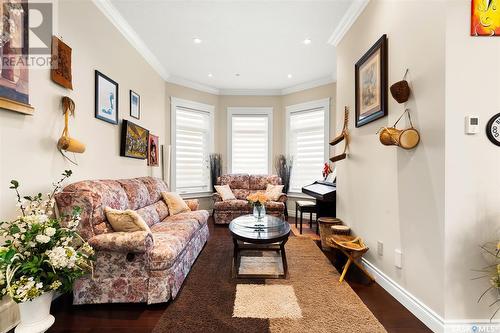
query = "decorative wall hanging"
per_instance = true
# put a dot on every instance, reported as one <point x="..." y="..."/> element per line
<point x="106" y="98"/>
<point x="14" y="76"/>
<point x="134" y="141"/>
<point x="406" y="138"/>
<point x="66" y="142"/>
<point x="341" y="137"/>
<point x="153" y="154"/>
<point x="485" y="18"/>
<point x="400" y="90"/>
<point x="493" y="129"/>
<point x="60" y="71"/>
<point x="371" y="84"/>
<point x="135" y="105"/>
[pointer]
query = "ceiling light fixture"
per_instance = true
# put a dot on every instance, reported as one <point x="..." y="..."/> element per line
<point x="196" y="40"/>
<point x="307" y="41"/>
<point x="210" y="75"/>
<point x="289" y="76"/>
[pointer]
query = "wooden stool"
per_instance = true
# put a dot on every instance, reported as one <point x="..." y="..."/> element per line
<point x="325" y="230"/>
<point x="304" y="206"/>
<point x="353" y="248"/>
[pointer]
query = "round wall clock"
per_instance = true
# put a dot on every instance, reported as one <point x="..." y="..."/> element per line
<point x="493" y="129"/>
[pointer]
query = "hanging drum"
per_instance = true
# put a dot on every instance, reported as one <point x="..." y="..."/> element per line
<point x="405" y="138"/>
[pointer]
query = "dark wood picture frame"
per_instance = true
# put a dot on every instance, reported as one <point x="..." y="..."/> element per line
<point x="96" y="98"/>
<point x="382" y="110"/>
<point x="131" y="94"/>
<point x="126" y="124"/>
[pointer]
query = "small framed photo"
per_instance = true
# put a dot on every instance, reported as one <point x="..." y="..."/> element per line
<point x="106" y="98"/>
<point x="371" y="84"/>
<point x="153" y="145"/>
<point x="135" y="105"/>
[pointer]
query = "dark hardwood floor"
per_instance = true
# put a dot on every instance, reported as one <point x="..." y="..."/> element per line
<point x="142" y="318"/>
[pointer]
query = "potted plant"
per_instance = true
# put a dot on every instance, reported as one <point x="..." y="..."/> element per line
<point x="40" y="255"/>
<point x="258" y="200"/>
<point x="491" y="252"/>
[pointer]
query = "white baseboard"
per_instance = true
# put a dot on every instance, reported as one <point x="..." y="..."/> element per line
<point x="430" y="318"/>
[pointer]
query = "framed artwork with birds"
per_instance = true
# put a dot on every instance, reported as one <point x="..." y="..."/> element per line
<point x="106" y="98"/>
<point x="485" y="18"/>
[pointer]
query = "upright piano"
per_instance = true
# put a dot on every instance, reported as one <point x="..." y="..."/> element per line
<point x="325" y="195"/>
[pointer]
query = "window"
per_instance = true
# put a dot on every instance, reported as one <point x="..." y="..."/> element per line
<point x="250" y="140"/>
<point x="307" y="141"/>
<point x="192" y="142"/>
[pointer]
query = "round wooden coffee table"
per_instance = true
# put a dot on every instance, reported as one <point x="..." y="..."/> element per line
<point x="267" y="234"/>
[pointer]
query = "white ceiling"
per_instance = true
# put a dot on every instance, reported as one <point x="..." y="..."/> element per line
<point x="260" y="40"/>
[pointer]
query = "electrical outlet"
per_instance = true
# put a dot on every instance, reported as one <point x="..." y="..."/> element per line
<point x="398" y="258"/>
<point x="380" y="248"/>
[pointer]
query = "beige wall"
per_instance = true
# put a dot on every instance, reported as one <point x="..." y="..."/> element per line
<point x="472" y="164"/>
<point x="385" y="193"/>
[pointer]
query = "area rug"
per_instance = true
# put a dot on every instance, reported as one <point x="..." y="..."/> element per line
<point x="310" y="300"/>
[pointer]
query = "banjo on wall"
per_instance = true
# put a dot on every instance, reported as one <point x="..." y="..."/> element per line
<point x="493" y="129"/>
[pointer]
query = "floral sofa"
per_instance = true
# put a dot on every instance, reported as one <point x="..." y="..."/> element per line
<point x="136" y="266"/>
<point x="242" y="185"/>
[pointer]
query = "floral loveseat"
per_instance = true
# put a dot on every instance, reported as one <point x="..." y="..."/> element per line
<point x="242" y="185"/>
<point x="134" y="266"/>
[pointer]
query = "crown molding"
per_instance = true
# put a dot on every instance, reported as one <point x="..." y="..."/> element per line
<point x="193" y="85"/>
<point x="250" y="92"/>
<point x="352" y="14"/>
<point x="308" y="85"/>
<point x="107" y="8"/>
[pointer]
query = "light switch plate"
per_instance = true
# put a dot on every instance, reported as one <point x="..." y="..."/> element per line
<point x="380" y="248"/>
<point x="398" y="258"/>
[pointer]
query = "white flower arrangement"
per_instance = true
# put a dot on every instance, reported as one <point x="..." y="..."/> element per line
<point x="41" y="253"/>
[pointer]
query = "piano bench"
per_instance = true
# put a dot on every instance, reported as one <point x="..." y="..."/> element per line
<point x="306" y="206"/>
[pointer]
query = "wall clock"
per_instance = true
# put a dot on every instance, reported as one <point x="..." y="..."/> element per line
<point x="493" y="129"/>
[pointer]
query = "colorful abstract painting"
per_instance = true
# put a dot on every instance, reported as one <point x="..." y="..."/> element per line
<point x="134" y="142"/>
<point x="485" y="18"/>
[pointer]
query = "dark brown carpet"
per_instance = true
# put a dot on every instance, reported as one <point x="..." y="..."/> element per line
<point x="205" y="304"/>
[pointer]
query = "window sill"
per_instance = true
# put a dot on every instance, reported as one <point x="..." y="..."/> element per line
<point x="196" y="195"/>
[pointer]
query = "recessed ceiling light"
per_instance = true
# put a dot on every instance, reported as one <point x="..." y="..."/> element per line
<point x="307" y="41"/>
<point x="237" y="74"/>
<point x="210" y="75"/>
<point x="289" y="76"/>
<point x="196" y="40"/>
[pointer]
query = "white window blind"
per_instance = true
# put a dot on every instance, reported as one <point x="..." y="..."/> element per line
<point x="306" y="144"/>
<point x="192" y="141"/>
<point x="249" y="142"/>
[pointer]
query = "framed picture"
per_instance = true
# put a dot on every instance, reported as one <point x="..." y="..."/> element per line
<point x="134" y="141"/>
<point x="485" y="18"/>
<point x="153" y="153"/>
<point x="371" y="84"/>
<point x="135" y="105"/>
<point x="106" y="98"/>
<point x="14" y="73"/>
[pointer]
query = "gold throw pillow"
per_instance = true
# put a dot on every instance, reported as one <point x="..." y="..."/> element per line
<point x="125" y="220"/>
<point x="225" y="192"/>
<point x="273" y="192"/>
<point x="175" y="203"/>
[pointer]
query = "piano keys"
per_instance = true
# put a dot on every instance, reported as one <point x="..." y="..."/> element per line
<point x="325" y="195"/>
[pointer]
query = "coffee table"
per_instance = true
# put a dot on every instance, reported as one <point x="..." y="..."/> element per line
<point x="267" y="234"/>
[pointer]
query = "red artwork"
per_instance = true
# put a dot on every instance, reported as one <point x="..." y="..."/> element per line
<point x="485" y="18"/>
<point x="153" y="158"/>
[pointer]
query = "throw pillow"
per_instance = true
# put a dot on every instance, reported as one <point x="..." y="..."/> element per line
<point x="175" y="203"/>
<point x="225" y="192"/>
<point x="273" y="192"/>
<point x="125" y="220"/>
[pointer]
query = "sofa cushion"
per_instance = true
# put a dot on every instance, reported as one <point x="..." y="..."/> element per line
<point x="259" y="182"/>
<point x="241" y="194"/>
<point x="175" y="203"/>
<point x="240" y="205"/>
<point x="170" y="239"/>
<point x="225" y="192"/>
<point x="125" y="220"/>
<point x="137" y="193"/>
<point x="149" y="214"/>
<point x="200" y="216"/>
<point x="275" y="206"/>
<point x="235" y="181"/>
<point x="155" y="186"/>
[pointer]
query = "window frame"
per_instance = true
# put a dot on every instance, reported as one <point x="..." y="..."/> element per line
<point x="197" y="107"/>
<point x="305" y="107"/>
<point x="249" y="111"/>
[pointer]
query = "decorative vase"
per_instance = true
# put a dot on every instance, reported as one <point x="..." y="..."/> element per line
<point x="259" y="211"/>
<point x="35" y="315"/>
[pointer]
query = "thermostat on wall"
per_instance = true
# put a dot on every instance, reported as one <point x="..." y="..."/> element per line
<point x="471" y="124"/>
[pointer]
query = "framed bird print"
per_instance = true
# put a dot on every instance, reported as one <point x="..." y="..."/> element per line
<point x="106" y="98"/>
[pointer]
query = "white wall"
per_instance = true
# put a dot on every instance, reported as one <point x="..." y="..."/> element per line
<point x="472" y="163"/>
<point x="385" y="193"/>
<point x="28" y="143"/>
